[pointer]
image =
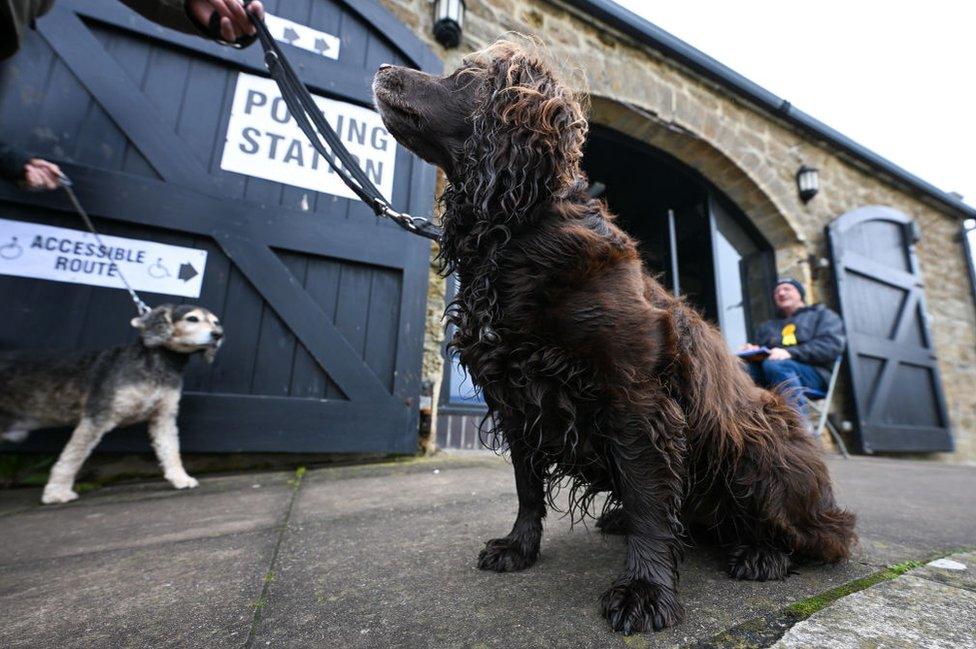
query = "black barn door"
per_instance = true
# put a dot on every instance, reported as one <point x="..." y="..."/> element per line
<point x="891" y="360"/>
<point x="323" y="304"/>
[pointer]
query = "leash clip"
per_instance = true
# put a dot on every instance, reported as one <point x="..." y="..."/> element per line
<point x="413" y="223"/>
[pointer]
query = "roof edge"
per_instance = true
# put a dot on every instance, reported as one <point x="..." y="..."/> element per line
<point x="641" y="29"/>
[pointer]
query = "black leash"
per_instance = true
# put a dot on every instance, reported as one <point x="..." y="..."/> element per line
<point x="306" y="114"/>
<point x="67" y="185"/>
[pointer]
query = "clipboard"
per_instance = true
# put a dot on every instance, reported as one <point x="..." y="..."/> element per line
<point x="754" y="355"/>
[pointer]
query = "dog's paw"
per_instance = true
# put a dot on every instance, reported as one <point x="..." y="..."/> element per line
<point x="758" y="564"/>
<point x="183" y="481"/>
<point x="505" y="555"/>
<point x="53" y="495"/>
<point x="613" y="521"/>
<point x="633" y="606"/>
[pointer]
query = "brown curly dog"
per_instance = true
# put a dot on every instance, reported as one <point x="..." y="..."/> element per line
<point x="593" y="373"/>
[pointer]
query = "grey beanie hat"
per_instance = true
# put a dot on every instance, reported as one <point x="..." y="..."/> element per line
<point x="795" y="283"/>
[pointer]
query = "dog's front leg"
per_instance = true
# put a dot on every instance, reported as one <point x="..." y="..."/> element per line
<point x="84" y="439"/>
<point x="520" y="548"/>
<point x="648" y="460"/>
<point x="165" y="440"/>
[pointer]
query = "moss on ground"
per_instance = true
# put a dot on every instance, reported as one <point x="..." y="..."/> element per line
<point x="803" y="609"/>
<point x="765" y="631"/>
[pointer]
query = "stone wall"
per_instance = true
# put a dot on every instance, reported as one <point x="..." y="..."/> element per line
<point x="750" y="155"/>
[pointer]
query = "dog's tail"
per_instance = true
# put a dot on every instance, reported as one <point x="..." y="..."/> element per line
<point x="15" y="436"/>
<point x="830" y="537"/>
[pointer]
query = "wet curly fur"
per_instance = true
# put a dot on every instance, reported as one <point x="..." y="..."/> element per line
<point x="595" y="376"/>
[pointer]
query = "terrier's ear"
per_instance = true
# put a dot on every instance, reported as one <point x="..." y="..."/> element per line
<point x="155" y="327"/>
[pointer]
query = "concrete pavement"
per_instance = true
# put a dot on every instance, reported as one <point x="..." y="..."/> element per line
<point x="384" y="555"/>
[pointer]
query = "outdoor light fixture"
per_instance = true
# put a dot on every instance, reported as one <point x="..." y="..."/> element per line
<point x="807" y="182"/>
<point x="448" y="19"/>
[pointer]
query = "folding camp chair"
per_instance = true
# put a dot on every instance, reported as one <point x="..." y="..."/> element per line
<point x="820" y="403"/>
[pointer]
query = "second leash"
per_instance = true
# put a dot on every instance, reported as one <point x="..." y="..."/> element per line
<point x="68" y="187"/>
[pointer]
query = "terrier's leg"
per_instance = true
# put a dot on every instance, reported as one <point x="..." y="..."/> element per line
<point x="165" y="439"/>
<point x="83" y="441"/>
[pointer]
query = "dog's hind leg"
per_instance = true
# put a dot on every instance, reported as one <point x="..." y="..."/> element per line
<point x="756" y="563"/>
<point x="84" y="439"/>
<point x="613" y="521"/>
<point x="520" y="548"/>
<point x="164" y="436"/>
<point x="648" y="457"/>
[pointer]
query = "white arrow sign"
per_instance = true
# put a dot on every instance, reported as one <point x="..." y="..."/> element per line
<point x="303" y="36"/>
<point x="63" y="255"/>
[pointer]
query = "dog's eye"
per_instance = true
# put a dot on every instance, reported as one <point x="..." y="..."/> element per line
<point x="192" y="318"/>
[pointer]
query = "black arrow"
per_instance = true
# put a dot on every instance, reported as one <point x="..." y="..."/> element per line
<point x="321" y="46"/>
<point x="291" y="35"/>
<point x="187" y="272"/>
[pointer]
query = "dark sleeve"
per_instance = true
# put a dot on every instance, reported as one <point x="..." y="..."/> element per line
<point x="12" y="161"/>
<point x="168" y="13"/>
<point x="826" y="344"/>
<point x="175" y="15"/>
<point x="764" y="335"/>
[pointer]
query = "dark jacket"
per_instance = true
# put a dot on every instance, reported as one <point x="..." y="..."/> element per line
<point x="12" y="161"/>
<point x="819" y="334"/>
<point x="18" y="15"/>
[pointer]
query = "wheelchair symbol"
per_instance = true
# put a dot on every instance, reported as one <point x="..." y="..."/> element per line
<point x="12" y="250"/>
<point x="158" y="271"/>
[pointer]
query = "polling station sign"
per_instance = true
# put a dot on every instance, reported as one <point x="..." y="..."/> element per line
<point x="63" y="255"/>
<point x="265" y="141"/>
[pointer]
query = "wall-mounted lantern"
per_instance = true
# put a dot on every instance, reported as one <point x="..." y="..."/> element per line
<point x="807" y="182"/>
<point x="448" y="21"/>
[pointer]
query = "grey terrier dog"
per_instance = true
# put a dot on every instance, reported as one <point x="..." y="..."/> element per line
<point x="99" y="390"/>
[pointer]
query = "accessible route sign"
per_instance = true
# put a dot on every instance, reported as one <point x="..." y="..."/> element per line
<point x="264" y="140"/>
<point x="62" y="255"/>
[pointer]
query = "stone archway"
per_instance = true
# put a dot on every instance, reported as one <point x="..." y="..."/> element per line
<point x="705" y="157"/>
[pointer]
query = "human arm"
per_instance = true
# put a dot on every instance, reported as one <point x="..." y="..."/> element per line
<point x="194" y="17"/>
<point x="17" y="166"/>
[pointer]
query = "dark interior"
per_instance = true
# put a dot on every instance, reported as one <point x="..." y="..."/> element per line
<point x="641" y="186"/>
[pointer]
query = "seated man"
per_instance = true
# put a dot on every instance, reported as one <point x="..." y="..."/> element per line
<point x="803" y="341"/>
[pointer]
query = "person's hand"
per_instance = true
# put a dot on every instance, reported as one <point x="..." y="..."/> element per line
<point x="748" y="346"/>
<point x="234" y="22"/>
<point x="779" y="354"/>
<point x="41" y="175"/>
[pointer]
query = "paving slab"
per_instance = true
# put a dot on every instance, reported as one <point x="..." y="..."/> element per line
<point x="948" y="571"/>
<point x="154" y="513"/>
<point x="907" y="612"/>
<point x="196" y="593"/>
<point x="139" y="564"/>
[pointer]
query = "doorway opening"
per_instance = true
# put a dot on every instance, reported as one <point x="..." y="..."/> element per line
<point x="691" y="237"/>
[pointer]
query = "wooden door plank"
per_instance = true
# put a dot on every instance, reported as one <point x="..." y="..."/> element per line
<point x="288" y="298"/>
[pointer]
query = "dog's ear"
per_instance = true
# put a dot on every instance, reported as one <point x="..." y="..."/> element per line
<point x="155" y="327"/>
<point x="528" y="135"/>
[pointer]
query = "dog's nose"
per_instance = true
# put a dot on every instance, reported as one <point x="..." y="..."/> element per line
<point x="216" y="334"/>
